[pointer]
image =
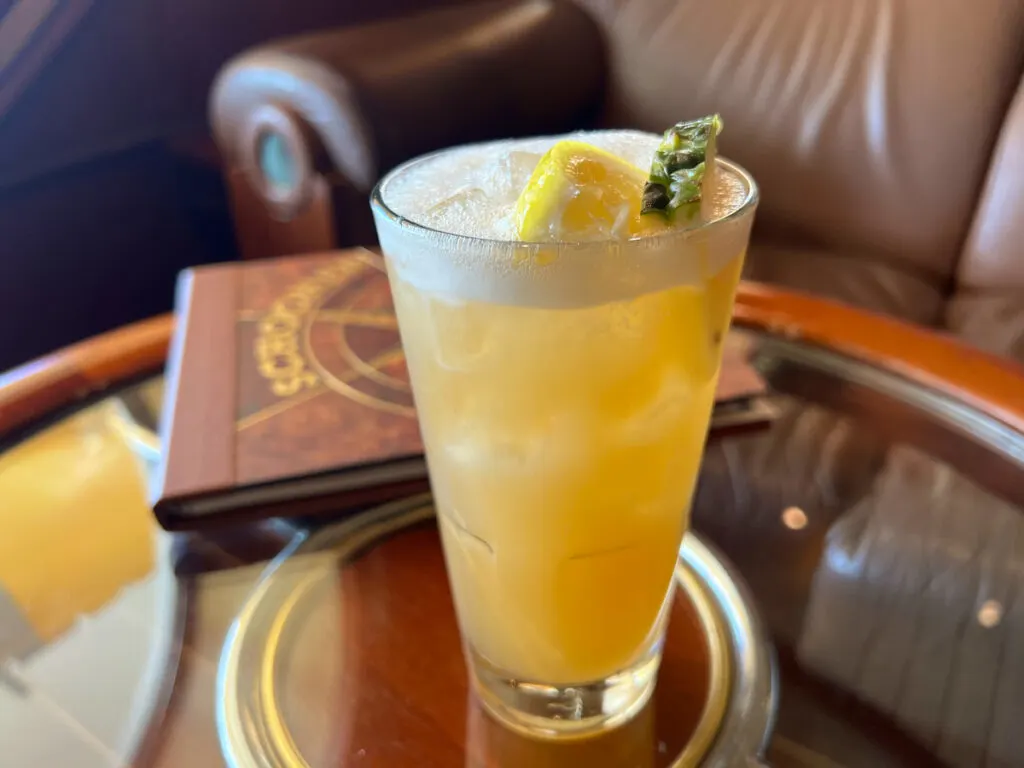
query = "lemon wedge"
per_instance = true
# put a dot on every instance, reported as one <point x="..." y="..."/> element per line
<point x="578" y="193"/>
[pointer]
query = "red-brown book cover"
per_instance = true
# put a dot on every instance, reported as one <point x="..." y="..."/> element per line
<point x="287" y="392"/>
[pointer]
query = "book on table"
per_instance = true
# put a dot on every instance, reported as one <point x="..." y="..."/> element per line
<point x="287" y="393"/>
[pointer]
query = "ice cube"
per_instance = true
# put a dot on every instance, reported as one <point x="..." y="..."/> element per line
<point x="492" y="453"/>
<point x="459" y="212"/>
<point x="458" y="334"/>
<point x="478" y="434"/>
<point x="514" y="169"/>
<point x="664" y="411"/>
<point x="504" y="438"/>
<point x="486" y="196"/>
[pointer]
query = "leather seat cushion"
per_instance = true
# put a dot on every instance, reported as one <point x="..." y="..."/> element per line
<point x="856" y="278"/>
<point x="857" y="121"/>
<point x="992" y="320"/>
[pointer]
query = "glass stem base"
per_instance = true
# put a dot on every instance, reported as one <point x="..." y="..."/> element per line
<point x="547" y="711"/>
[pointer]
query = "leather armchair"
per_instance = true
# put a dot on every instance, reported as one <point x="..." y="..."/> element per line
<point x="308" y="125"/>
<point x="845" y="115"/>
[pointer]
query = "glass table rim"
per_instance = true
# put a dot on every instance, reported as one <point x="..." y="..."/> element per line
<point x="976" y="393"/>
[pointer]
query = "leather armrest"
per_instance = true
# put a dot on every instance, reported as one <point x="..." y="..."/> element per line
<point x="362" y="99"/>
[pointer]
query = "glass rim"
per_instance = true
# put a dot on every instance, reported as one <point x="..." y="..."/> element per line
<point x="749" y="203"/>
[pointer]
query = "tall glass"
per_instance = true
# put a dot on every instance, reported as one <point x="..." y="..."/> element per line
<point x="564" y="392"/>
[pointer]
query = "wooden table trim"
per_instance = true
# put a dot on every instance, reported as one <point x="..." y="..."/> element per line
<point x="929" y="357"/>
<point x="990" y="384"/>
<point x="49" y="383"/>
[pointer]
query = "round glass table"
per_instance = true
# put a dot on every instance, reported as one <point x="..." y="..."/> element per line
<point x="876" y="525"/>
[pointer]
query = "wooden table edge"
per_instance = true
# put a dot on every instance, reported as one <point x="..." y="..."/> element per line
<point x="38" y="388"/>
<point x="926" y="356"/>
<point x="992" y="385"/>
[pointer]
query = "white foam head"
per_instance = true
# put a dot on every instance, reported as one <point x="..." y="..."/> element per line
<point x="445" y="222"/>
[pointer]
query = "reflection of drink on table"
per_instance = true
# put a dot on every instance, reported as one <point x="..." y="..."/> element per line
<point x="564" y="395"/>
<point x="76" y="531"/>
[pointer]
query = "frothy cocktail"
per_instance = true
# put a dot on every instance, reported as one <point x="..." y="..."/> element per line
<point x="564" y="388"/>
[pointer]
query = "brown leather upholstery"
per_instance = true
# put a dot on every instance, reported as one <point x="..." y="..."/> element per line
<point x="367" y="98"/>
<point x="993" y="256"/>
<point x="854" y="276"/>
<point x="842" y="111"/>
<point x="988" y="306"/>
<point x="379" y="94"/>
<point x="854" y="117"/>
<point x="991" y="319"/>
<point x="868" y="141"/>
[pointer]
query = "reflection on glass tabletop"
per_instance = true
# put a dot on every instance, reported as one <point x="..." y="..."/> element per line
<point x="877" y="523"/>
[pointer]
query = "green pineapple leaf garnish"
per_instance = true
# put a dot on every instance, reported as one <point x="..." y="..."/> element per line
<point x="681" y="163"/>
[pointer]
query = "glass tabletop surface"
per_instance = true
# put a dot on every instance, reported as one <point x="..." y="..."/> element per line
<point x="876" y="522"/>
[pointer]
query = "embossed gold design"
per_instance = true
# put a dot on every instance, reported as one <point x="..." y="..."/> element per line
<point x="387" y="321"/>
<point x="285" y="356"/>
<point x="365" y="319"/>
<point x="277" y="346"/>
<point x="278" y="356"/>
<point x="372" y="370"/>
<point x="343" y="384"/>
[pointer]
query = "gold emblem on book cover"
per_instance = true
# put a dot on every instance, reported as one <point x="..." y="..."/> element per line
<point x="336" y="329"/>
